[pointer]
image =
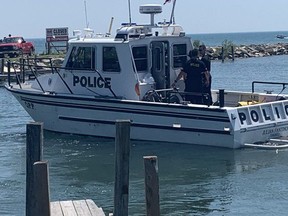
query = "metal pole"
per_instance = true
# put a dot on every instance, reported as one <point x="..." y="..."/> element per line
<point x="86" y="14"/>
<point x="130" y="20"/>
<point x="172" y="18"/>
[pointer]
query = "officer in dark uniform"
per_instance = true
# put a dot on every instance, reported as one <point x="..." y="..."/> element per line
<point x="206" y="60"/>
<point x="195" y="80"/>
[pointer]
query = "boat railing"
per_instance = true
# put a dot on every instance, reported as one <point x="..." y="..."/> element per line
<point x="283" y="84"/>
<point x="20" y="77"/>
<point x="27" y="68"/>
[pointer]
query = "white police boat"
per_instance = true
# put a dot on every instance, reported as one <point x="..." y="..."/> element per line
<point x="128" y="76"/>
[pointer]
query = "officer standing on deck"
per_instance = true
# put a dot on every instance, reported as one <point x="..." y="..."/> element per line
<point x="194" y="73"/>
<point x="206" y="60"/>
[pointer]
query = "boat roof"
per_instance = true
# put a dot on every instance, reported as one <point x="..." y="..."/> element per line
<point x="133" y="31"/>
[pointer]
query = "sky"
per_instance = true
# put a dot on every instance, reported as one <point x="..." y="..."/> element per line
<point x="30" y="18"/>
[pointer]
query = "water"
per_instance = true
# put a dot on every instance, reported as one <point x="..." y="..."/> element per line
<point x="193" y="180"/>
<point x="245" y="38"/>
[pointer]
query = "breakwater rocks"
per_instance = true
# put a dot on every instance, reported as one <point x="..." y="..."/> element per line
<point x="247" y="51"/>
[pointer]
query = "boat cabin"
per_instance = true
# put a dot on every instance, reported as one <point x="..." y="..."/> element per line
<point x="140" y="58"/>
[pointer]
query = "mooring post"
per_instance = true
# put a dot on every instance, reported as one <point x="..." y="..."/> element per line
<point x="221" y="98"/>
<point x="34" y="152"/>
<point x="41" y="202"/>
<point x="122" y="154"/>
<point x="151" y="186"/>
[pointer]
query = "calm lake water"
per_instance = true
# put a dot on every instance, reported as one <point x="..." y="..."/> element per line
<point x="193" y="180"/>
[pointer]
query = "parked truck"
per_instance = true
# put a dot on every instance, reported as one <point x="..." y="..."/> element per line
<point x="14" y="46"/>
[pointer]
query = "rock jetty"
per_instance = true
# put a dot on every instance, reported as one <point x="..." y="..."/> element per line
<point x="248" y="51"/>
<point x="215" y="53"/>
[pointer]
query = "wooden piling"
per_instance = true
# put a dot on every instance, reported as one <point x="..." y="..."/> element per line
<point x="151" y="186"/>
<point x="22" y="69"/>
<point x="232" y="50"/>
<point x="41" y="203"/>
<point x="2" y="66"/>
<point x="34" y="152"/>
<point x="9" y="71"/>
<point x="223" y="54"/>
<point x="122" y="153"/>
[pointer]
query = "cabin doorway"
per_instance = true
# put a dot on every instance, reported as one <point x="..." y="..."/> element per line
<point x="160" y="64"/>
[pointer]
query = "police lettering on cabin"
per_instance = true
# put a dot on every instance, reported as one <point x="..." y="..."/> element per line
<point x="263" y="114"/>
<point x="92" y="82"/>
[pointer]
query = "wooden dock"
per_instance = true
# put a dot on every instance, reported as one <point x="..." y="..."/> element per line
<point x="75" y="208"/>
<point x="37" y="179"/>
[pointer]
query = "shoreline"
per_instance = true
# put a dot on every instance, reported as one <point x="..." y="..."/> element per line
<point x="215" y="52"/>
<point x="247" y="51"/>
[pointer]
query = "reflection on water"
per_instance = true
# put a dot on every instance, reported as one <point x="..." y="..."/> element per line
<point x="193" y="180"/>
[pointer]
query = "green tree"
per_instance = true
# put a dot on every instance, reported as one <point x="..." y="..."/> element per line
<point x="227" y="47"/>
<point x="196" y="44"/>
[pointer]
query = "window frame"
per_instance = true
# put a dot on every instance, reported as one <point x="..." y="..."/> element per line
<point x="141" y="58"/>
<point x="180" y="56"/>
<point x="118" y="66"/>
<point x="82" y="62"/>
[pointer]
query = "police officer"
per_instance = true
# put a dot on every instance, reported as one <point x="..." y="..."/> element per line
<point x="206" y="60"/>
<point x="194" y="73"/>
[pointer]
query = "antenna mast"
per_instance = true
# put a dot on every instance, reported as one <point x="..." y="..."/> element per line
<point x="172" y="18"/>
<point x="130" y="22"/>
<point x="87" y="25"/>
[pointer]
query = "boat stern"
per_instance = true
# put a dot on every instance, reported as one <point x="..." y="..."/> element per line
<point x="259" y="123"/>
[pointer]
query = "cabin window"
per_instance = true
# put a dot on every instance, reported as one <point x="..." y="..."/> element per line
<point x="81" y="58"/>
<point x="110" y="60"/>
<point x="140" y="58"/>
<point x="179" y="55"/>
<point x="157" y="54"/>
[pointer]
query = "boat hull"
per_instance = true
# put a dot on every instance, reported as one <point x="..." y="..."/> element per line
<point x="176" y="123"/>
<point x="162" y="122"/>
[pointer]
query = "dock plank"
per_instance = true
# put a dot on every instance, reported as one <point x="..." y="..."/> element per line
<point x="55" y="209"/>
<point x="94" y="209"/>
<point x="68" y="208"/>
<point x="81" y="208"/>
<point x="75" y="208"/>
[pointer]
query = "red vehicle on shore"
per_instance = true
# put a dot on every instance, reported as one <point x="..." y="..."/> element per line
<point x="14" y="46"/>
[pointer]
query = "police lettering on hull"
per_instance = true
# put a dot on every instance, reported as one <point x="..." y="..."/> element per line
<point x="263" y="113"/>
<point x="92" y="82"/>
